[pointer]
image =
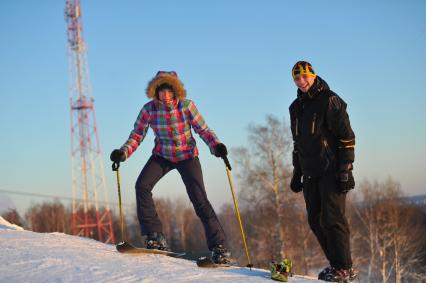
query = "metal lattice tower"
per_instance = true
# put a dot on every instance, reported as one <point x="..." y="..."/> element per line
<point x="88" y="178"/>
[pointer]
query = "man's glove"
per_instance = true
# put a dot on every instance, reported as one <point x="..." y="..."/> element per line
<point x="346" y="178"/>
<point x="220" y="150"/>
<point x="296" y="183"/>
<point x="117" y="155"/>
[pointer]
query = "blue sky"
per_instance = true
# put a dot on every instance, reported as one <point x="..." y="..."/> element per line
<point x="234" y="58"/>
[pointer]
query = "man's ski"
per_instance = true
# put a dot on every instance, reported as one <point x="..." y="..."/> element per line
<point x="127" y="248"/>
<point x="207" y="262"/>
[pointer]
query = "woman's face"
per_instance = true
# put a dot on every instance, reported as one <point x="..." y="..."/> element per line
<point x="166" y="95"/>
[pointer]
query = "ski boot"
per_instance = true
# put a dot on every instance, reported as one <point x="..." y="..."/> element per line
<point x="220" y="255"/>
<point x="353" y="273"/>
<point x="336" y="275"/>
<point x="321" y="275"/>
<point x="281" y="271"/>
<point x="157" y="241"/>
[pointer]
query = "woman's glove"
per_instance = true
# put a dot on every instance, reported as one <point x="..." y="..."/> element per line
<point x="220" y="150"/>
<point x="117" y="155"/>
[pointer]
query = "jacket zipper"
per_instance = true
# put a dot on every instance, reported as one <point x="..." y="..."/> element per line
<point x="313" y="123"/>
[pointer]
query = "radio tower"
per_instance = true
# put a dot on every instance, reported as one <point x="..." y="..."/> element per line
<point x="88" y="179"/>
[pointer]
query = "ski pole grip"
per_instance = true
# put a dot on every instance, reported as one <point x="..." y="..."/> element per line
<point x="115" y="166"/>
<point x="225" y="159"/>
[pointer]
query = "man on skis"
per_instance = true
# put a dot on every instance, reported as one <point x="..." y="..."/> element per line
<point x="322" y="159"/>
<point x="171" y="117"/>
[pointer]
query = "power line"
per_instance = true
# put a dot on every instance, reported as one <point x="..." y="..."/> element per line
<point x="57" y="197"/>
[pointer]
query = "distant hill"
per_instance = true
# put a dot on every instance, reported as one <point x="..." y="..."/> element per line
<point x="419" y="201"/>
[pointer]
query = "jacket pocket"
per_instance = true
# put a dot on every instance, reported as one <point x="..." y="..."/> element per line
<point x="329" y="155"/>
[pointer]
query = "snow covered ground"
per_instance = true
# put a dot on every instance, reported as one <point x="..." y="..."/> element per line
<point x="55" y="257"/>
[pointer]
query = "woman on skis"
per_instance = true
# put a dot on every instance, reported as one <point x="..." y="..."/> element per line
<point x="171" y="117"/>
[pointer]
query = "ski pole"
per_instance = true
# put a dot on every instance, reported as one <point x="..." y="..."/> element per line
<point x="115" y="167"/>
<point x="228" y="172"/>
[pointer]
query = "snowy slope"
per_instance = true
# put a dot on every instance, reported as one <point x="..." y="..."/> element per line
<point x="4" y="225"/>
<point x="55" y="257"/>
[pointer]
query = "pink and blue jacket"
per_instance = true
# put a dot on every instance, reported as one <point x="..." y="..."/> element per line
<point x="172" y="125"/>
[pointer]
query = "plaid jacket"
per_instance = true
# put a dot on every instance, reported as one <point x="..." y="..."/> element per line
<point x="172" y="128"/>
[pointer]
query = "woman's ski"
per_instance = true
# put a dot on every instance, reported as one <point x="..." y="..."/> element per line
<point x="127" y="248"/>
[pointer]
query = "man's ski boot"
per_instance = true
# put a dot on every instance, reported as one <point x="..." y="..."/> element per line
<point x="325" y="274"/>
<point x="220" y="255"/>
<point x="157" y="241"/>
<point x="281" y="271"/>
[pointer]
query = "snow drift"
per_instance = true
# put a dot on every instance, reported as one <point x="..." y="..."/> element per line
<point x="55" y="257"/>
<point x="4" y="225"/>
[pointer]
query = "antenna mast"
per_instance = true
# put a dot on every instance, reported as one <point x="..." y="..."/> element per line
<point x="88" y="178"/>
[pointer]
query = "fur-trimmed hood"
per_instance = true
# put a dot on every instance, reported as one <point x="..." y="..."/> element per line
<point x="170" y="78"/>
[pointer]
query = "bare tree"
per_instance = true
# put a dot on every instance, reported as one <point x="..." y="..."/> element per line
<point x="185" y="220"/>
<point x="228" y="219"/>
<point x="406" y="234"/>
<point x="12" y="216"/>
<point x="182" y="215"/>
<point x="48" y="217"/>
<point x="165" y="212"/>
<point x="181" y="226"/>
<point x="275" y="218"/>
<point x="264" y="173"/>
<point x="391" y="234"/>
<point x="367" y="220"/>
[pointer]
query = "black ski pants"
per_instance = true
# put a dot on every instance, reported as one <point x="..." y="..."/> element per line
<point x="192" y="176"/>
<point x="325" y="206"/>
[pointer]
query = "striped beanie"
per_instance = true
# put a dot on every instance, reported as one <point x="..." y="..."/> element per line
<point x="302" y="68"/>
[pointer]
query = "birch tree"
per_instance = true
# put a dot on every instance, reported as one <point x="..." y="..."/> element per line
<point x="392" y="234"/>
<point x="264" y="170"/>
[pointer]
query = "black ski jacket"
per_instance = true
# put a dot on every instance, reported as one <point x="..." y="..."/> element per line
<point x="322" y="134"/>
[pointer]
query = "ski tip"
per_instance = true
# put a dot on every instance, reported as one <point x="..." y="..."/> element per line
<point x="123" y="247"/>
<point x="207" y="262"/>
